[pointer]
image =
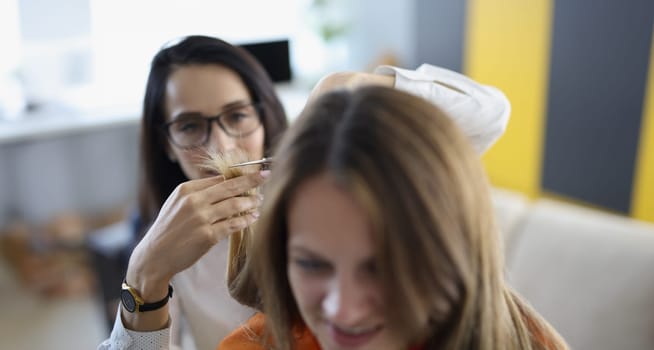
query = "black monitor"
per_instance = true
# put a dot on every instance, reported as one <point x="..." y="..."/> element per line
<point x="274" y="56"/>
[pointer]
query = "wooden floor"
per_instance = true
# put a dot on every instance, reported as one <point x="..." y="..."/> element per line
<point x="30" y="322"/>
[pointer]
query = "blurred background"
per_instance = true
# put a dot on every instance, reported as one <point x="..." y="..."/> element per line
<point x="579" y="75"/>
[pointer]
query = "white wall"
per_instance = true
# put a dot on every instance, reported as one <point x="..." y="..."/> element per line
<point x="381" y="26"/>
<point x="6" y="195"/>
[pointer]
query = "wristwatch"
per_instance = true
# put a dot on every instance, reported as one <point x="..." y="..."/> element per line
<point x="133" y="302"/>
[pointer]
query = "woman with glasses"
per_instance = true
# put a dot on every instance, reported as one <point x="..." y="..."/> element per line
<point x="205" y="94"/>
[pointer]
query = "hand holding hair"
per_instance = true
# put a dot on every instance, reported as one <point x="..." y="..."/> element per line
<point x="196" y="216"/>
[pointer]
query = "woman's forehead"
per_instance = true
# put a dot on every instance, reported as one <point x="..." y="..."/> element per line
<point x="324" y="217"/>
<point x="203" y="89"/>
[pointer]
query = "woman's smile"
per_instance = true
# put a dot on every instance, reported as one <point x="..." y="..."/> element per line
<point x="353" y="337"/>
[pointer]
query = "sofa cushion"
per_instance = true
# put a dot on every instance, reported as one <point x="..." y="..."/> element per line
<point x="589" y="273"/>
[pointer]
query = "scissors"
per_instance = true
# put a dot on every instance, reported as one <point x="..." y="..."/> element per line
<point x="265" y="163"/>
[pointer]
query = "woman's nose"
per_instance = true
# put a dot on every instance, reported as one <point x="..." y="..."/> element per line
<point x="219" y="140"/>
<point x="347" y="302"/>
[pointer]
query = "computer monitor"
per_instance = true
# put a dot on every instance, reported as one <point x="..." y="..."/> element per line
<point x="274" y="56"/>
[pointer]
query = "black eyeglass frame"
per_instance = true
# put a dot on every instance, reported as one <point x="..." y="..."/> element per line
<point x="165" y="127"/>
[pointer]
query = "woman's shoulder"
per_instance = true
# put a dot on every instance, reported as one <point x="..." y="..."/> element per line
<point x="249" y="336"/>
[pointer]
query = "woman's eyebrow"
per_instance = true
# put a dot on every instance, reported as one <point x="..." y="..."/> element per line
<point x="186" y="114"/>
<point x="300" y="249"/>
<point x="225" y="107"/>
<point x="233" y="104"/>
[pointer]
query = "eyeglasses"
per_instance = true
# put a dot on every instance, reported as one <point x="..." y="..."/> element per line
<point x="192" y="130"/>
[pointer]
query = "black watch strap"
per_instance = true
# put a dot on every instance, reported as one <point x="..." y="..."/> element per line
<point x="133" y="302"/>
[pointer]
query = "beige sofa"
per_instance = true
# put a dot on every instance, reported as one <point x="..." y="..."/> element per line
<point x="589" y="273"/>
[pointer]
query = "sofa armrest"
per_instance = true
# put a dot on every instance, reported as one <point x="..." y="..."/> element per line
<point x="510" y="210"/>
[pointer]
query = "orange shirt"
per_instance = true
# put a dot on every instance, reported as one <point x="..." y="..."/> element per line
<point x="247" y="337"/>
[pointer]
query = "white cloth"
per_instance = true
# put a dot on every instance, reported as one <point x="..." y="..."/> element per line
<point x="201" y="305"/>
<point x="204" y="304"/>
<point x="481" y="111"/>
<point x="122" y="338"/>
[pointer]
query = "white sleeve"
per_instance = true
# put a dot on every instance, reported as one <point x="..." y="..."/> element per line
<point x="125" y="339"/>
<point x="176" y="323"/>
<point x="481" y="111"/>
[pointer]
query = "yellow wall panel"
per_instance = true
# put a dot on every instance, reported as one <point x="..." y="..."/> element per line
<point x="508" y="46"/>
<point x="642" y="205"/>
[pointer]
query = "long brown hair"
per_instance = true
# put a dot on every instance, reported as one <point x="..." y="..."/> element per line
<point x="159" y="175"/>
<point x="426" y="193"/>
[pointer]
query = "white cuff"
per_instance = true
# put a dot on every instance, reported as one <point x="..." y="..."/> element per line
<point x="481" y="111"/>
<point x="125" y="339"/>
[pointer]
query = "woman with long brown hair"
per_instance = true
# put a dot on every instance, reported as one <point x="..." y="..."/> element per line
<point x="377" y="232"/>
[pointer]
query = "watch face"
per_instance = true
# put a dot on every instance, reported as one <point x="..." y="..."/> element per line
<point x="128" y="300"/>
